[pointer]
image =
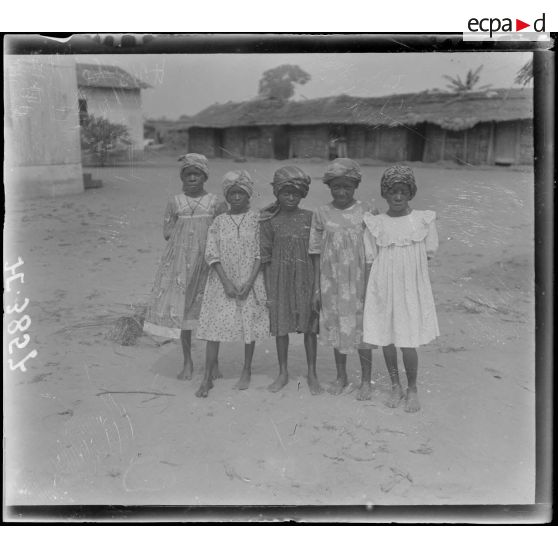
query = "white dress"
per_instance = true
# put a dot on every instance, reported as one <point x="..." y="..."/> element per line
<point x="399" y="307"/>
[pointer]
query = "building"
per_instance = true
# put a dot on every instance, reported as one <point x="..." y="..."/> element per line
<point x="42" y="143"/>
<point x="488" y="127"/>
<point x="110" y="92"/>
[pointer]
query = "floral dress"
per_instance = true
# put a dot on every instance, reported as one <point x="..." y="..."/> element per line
<point x="177" y="293"/>
<point x="234" y="241"/>
<point x="284" y="245"/>
<point x="339" y="236"/>
<point x="399" y="306"/>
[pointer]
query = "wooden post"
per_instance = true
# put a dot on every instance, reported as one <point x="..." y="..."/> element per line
<point x="490" y="154"/>
<point x="517" y="142"/>
<point x="443" y="151"/>
<point x="465" y="146"/>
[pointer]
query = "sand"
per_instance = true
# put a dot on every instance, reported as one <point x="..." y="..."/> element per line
<point x="94" y="422"/>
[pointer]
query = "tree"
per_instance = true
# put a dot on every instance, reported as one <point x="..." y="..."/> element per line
<point x="278" y="83"/>
<point x="101" y="137"/>
<point x="524" y="74"/>
<point x="457" y="85"/>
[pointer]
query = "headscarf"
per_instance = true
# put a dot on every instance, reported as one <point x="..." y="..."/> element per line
<point x="291" y="176"/>
<point x="398" y="174"/>
<point x="342" y="167"/>
<point x="238" y="178"/>
<point x="196" y="161"/>
<point x="286" y="176"/>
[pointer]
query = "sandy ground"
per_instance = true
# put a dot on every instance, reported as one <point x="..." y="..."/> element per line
<point x="90" y="258"/>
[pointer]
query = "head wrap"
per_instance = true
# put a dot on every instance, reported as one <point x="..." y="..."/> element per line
<point x="398" y="174"/>
<point x="342" y="167"/>
<point x="285" y="176"/>
<point x="291" y="176"/>
<point x="238" y="178"/>
<point x="196" y="161"/>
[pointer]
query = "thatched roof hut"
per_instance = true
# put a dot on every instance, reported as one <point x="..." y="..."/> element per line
<point x="448" y="110"/>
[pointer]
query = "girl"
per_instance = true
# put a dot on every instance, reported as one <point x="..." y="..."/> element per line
<point x="233" y="307"/>
<point x="175" y="301"/>
<point x="399" y="308"/>
<point x="342" y="260"/>
<point x="288" y="271"/>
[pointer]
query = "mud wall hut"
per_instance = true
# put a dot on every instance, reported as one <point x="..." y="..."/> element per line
<point x="489" y="127"/>
<point x="112" y="93"/>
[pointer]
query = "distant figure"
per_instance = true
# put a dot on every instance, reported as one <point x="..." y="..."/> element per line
<point x="399" y="309"/>
<point x="342" y="259"/>
<point x="332" y="149"/>
<point x="289" y="271"/>
<point x="233" y="307"/>
<point x="342" y="147"/>
<point x="175" y="301"/>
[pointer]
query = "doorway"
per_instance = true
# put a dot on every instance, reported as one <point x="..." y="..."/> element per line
<point x="281" y="142"/>
<point x="416" y="139"/>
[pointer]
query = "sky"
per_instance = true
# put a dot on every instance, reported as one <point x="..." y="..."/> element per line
<point x="184" y="84"/>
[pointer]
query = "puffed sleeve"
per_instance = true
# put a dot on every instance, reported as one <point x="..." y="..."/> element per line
<point x="212" y="245"/>
<point x="171" y="215"/>
<point x="266" y="240"/>
<point x="370" y="248"/>
<point x="316" y="233"/>
<point x="432" y="236"/>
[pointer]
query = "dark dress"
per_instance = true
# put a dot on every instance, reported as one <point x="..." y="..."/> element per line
<point x="284" y="245"/>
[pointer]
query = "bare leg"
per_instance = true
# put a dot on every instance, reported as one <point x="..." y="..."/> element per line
<point x="365" y="390"/>
<point x="282" y="344"/>
<point x="410" y="361"/>
<point x="337" y="387"/>
<point x="188" y="368"/>
<point x="244" y="381"/>
<point x="390" y="356"/>
<point x="211" y="354"/>
<point x="311" y="344"/>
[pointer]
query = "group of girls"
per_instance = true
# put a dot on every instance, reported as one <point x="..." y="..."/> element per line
<point x="354" y="277"/>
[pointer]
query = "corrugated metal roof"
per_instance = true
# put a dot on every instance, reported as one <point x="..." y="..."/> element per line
<point x="102" y="75"/>
<point x="448" y="110"/>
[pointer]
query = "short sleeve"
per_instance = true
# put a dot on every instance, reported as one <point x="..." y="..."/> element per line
<point x="212" y="246"/>
<point x="432" y="235"/>
<point x="257" y="250"/>
<point x="266" y="240"/>
<point x="171" y="215"/>
<point x="316" y="234"/>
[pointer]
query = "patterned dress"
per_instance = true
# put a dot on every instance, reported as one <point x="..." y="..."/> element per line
<point x="284" y="245"/>
<point x="399" y="303"/>
<point x="177" y="293"/>
<point x="339" y="236"/>
<point x="234" y="241"/>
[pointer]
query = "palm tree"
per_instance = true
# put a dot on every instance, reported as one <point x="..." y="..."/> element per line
<point x="524" y="74"/>
<point x="458" y="85"/>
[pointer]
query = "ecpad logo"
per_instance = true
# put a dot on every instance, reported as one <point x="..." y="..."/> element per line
<point x="504" y="25"/>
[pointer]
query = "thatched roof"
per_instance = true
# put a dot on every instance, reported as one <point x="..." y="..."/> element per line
<point x="103" y="75"/>
<point x="448" y="110"/>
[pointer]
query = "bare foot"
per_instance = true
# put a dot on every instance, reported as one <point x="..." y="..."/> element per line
<point x="244" y="381"/>
<point x="204" y="388"/>
<point x="314" y="385"/>
<point x="395" y="397"/>
<point x="412" y="404"/>
<point x="337" y="387"/>
<point x="364" y="392"/>
<point x="279" y="383"/>
<point x="187" y="371"/>
<point x="216" y="372"/>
